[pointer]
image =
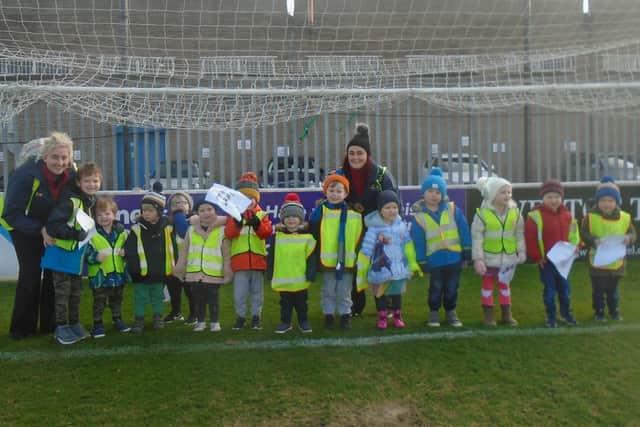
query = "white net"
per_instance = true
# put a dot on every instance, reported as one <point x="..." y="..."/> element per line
<point x="196" y="64"/>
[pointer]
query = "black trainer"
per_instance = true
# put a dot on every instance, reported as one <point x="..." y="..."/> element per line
<point x="239" y="323"/>
<point x="329" y="321"/>
<point x="345" y="321"/>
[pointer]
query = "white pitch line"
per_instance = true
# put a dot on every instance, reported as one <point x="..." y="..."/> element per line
<point x="230" y="344"/>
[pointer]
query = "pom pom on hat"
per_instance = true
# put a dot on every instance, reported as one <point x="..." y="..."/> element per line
<point x="552" y="186"/>
<point x="489" y="186"/>
<point x="608" y="187"/>
<point x="435" y="180"/>
<point x="292" y="207"/>
<point x="361" y="138"/>
<point x="248" y="185"/>
<point x="154" y="199"/>
<point x="388" y="196"/>
<point x="330" y="179"/>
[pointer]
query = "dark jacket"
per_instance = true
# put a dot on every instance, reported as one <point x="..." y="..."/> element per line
<point x="18" y="194"/>
<point x="377" y="181"/>
<point x="57" y="226"/>
<point x="153" y="242"/>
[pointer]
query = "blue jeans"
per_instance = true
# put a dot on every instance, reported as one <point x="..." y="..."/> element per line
<point x="443" y="286"/>
<point x="554" y="283"/>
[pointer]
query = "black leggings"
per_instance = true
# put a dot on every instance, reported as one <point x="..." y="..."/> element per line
<point x="206" y="294"/>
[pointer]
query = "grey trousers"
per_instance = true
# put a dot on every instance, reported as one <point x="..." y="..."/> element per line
<point x="336" y="294"/>
<point x="248" y="284"/>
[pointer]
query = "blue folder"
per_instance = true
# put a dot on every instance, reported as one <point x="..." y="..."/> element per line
<point x="62" y="260"/>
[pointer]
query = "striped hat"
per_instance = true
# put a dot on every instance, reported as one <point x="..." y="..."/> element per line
<point x="248" y="185"/>
<point x="154" y="199"/>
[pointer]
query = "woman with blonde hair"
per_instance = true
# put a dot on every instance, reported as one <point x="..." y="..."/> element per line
<point x="33" y="190"/>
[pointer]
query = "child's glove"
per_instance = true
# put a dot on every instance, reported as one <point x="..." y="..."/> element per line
<point x="254" y="222"/>
<point x="80" y="235"/>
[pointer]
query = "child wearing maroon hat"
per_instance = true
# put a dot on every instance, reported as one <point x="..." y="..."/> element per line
<point x="547" y="224"/>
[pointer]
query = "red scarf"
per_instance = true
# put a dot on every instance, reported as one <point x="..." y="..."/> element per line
<point x="360" y="179"/>
<point x="55" y="183"/>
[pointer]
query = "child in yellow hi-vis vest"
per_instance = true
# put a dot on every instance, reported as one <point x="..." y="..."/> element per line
<point x="606" y="221"/>
<point x="106" y="266"/>
<point x="546" y="225"/>
<point x="291" y="266"/>
<point x="497" y="245"/>
<point x="204" y="264"/>
<point x="149" y="251"/>
<point x="64" y="227"/>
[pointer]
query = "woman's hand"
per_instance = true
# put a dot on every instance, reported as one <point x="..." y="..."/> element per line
<point x="46" y="239"/>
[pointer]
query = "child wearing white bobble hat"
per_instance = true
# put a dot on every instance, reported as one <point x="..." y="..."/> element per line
<point x="498" y="244"/>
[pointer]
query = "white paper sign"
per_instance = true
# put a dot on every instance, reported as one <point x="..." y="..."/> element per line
<point x="609" y="250"/>
<point x="229" y="200"/>
<point x="506" y="273"/>
<point x="88" y="224"/>
<point x="562" y="255"/>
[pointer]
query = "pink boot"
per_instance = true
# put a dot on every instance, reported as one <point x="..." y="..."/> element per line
<point x="397" y="319"/>
<point x="382" y="320"/>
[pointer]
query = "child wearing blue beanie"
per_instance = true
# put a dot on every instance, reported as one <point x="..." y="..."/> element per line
<point x="442" y="239"/>
<point x="604" y="220"/>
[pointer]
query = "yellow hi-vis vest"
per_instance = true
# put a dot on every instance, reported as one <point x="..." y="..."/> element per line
<point x="443" y="235"/>
<point x="206" y="255"/>
<point x="329" y="231"/>
<point x="573" y="237"/>
<point x="499" y="237"/>
<point x="601" y="227"/>
<point x="248" y="240"/>
<point x="289" y="261"/>
<point x="168" y="250"/>
<point x="113" y="263"/>
<point x="70" y="244"/>
<point x="34" y="187"/>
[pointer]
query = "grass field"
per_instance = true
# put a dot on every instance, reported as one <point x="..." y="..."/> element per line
<point x="529" y="375"/>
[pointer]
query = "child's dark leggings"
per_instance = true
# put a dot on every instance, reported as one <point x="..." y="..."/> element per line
<point x="205" y="294"/>
<point x="382" y="303"/>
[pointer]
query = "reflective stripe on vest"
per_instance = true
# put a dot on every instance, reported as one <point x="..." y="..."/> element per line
<point x="499" y="237"/>
<point x="34" y="187"/>
<point x="573" y="237"/>
<point x="248" y="240"/>
<point x="168" y="251"/>
<point x="206" y="255"/>
<point x="443" y="235"/>
<point x="287" y="275"/>
<point x="113" y="263"/>
<point x="72" y="222"/>
<point x="329" y="231"/>
<point x="601" y="227"/>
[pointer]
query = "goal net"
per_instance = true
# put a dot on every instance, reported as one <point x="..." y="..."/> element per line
<point x="195" y="64"/>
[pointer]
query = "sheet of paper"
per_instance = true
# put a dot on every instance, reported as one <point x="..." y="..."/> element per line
<point x="90" y="234"/>
<point x="609" y="250"/>
<point x="562" y="255"/>
<point x="85" y="221"/>
<point x="506" y="273"/>
<point x="229" y="200"/>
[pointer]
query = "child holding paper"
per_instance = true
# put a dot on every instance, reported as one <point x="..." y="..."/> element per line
<point x="64" y="225"/>
<point x="606" y="220"/>
<point x="547" y="225"/>
<point x="497" y="235"/>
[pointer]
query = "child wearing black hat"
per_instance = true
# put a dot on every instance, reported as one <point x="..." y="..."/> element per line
<point x="604" y="221"/>
<point x="387" y="258"/>
<point x="546" y="225"/>
<point x="292" y="279"/>
<point x="204" y="264"/>
<point x="149" y="252"/>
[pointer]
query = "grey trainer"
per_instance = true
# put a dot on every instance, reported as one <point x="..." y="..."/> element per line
<point x="452" y="319"/>
<point x="434" y="319"/>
